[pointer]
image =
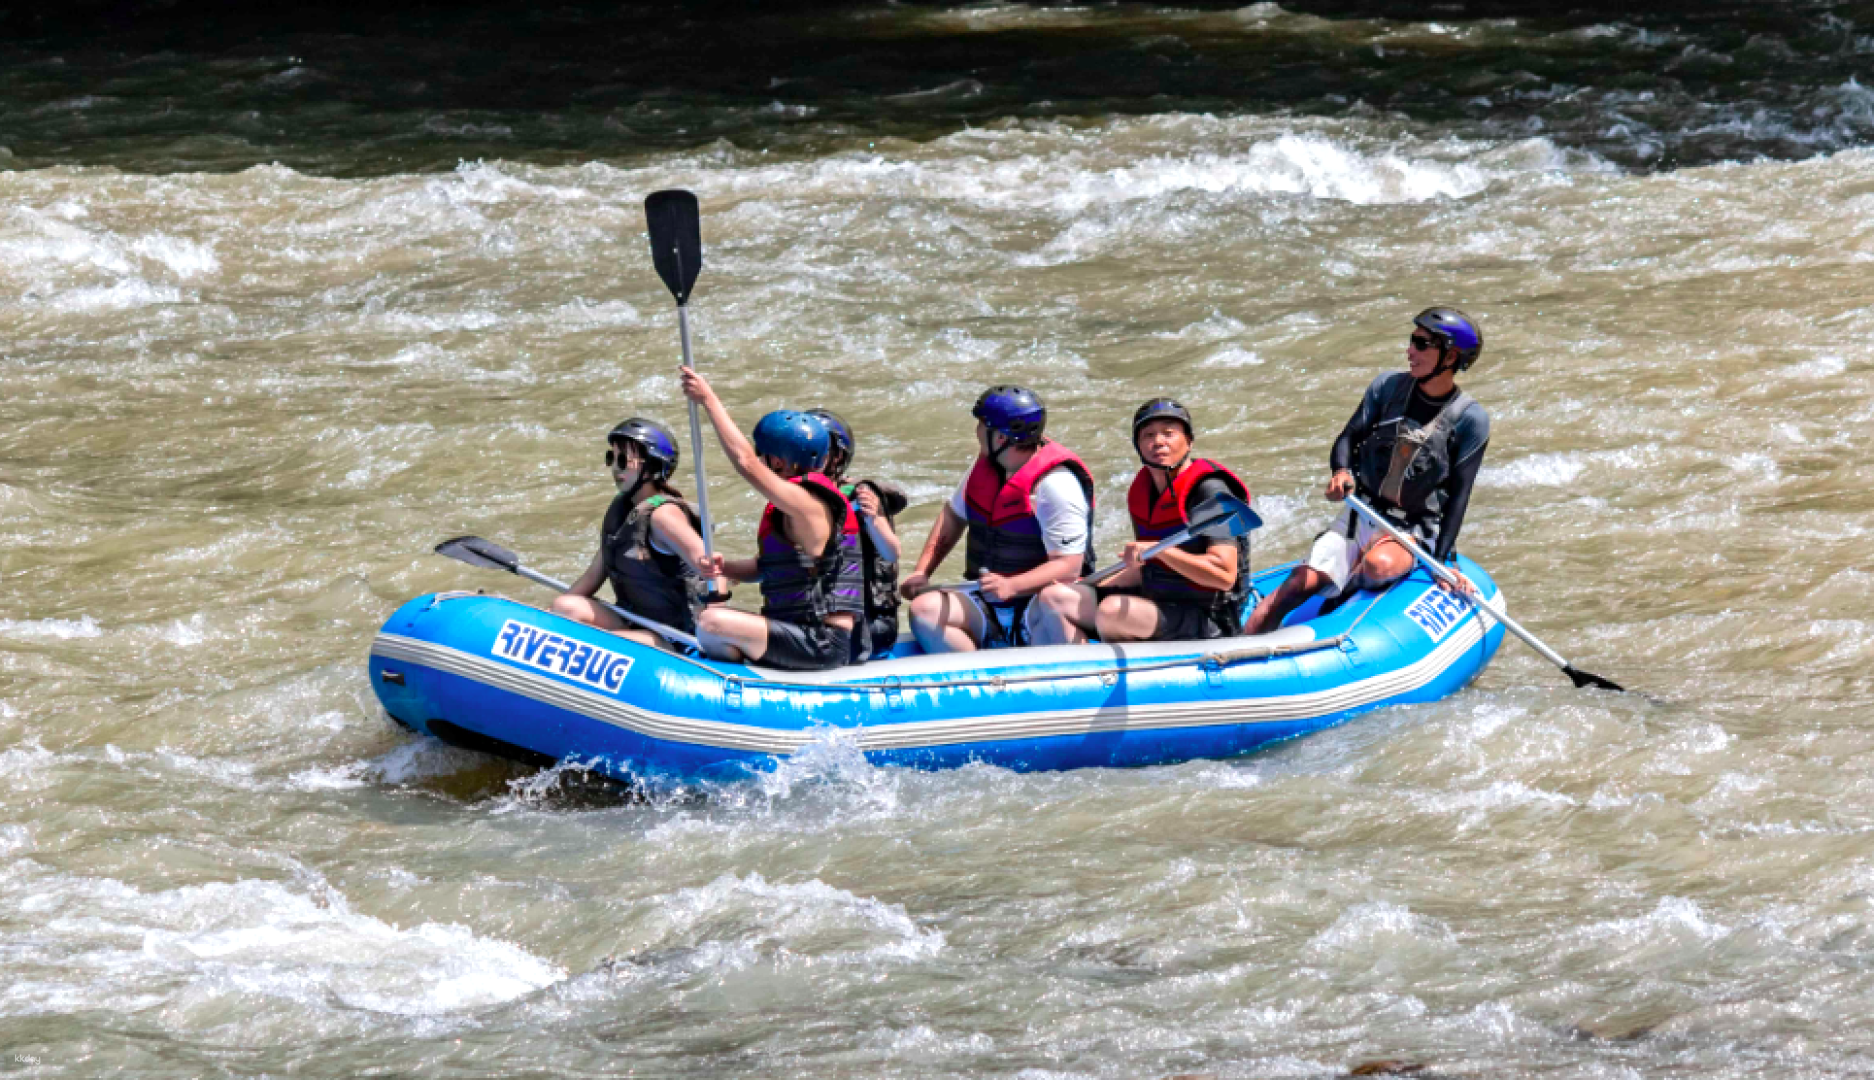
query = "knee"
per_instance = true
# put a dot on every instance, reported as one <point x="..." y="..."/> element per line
<point x="1058" y="599"/>
<point x="568" y="605"/>
<point x="710" y="619"/>
<point x="1112" y="607"/>
<point x="1385" y="564"/>
<point x="928" y="608"/>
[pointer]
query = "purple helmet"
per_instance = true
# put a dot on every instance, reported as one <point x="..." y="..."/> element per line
<point x="1455" y="330"/>
<point x="1014" y="411"/>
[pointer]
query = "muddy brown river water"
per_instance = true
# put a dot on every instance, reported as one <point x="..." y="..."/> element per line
<point x="247" y="381"/>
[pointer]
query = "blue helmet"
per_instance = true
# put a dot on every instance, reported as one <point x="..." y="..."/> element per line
<point x="797" y="438"/>
<point x="653" y="440"/>
<point x="841" y="440"/>
<point x="1014" y="411"/>
<point x="1456" y="330"/>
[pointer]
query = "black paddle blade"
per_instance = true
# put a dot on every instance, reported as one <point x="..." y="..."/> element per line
<point x="1585" y="679"/>
<point x="1223" y="515"/>
<point x="676" y="239"/>
<point x="478" y="552"/>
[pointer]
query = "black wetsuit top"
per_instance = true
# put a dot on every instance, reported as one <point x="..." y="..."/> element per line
<point x="1469" y="436"/>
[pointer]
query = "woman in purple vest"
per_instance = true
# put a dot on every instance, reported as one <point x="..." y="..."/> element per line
<point x="808" y="566"/>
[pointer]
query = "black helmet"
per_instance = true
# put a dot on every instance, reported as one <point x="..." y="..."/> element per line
<point x="841" y="436"/>
<point x="653" y="440"/>
<point x="1456" y="330"/>
<point x="1014" y="411"/>
<point x="1162" y="408"/>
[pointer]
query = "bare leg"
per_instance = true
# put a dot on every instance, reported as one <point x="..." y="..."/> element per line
<point x="586" y="610"/>
<point x="1127" y="618"/>
<point x="1062" y="614"/>
<point x="1385" y="562"/>
<point x="728" y="634"/>
<point x="946" y="622"/>
<point x="1293" y="592"/>
<point x="589" y="611"/>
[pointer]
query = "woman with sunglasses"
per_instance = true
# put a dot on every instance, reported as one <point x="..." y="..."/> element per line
<point x="1412" y="450"/>
<point x="651" y="545"/>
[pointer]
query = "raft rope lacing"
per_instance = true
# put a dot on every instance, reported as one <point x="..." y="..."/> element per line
<point x="894" y="684"/>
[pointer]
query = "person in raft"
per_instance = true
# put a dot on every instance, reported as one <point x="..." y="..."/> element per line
<point x="1189" y="592"/>
<point x="812" y="587"/>
<point x="1412" y="451"/>
<point x="650" y="546"/>
<point x="1027" y="508"/>
<point x="879" y="505"/>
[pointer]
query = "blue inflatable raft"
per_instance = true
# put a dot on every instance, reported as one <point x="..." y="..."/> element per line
<point x="497" y="675"/>
<point x="492" y="674"/>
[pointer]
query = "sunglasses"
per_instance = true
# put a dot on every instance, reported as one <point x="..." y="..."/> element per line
<point x="1421" y="342"/>
<point x="618" y="456"/>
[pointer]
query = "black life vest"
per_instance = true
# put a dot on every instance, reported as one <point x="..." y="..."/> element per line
<point x="645" y="580"/>
<point x="1004" y="533"/>
<point x="1400" y="467"/>
<point x="1156" y="515"/>
<point x="881" y="574"/>
<point x="800" y="588"/>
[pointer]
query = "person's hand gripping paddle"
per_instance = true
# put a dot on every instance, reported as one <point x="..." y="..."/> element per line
<point x="490" y="556"/>
<point x="1581" y="678"/>
<point x="676" y="228"/>
<point x="1220" y="517"/>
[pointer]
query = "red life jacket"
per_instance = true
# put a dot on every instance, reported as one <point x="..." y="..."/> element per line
<point x="799" y="587"/>
<point x="1004" y="533"/>
<point x="1156" y="515"/>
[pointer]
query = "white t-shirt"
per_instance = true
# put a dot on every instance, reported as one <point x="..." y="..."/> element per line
<point x="1060" y="506"/>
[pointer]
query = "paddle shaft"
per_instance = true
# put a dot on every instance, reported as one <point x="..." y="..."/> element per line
<point x="1445" y="575"/>
<point x="1172" y="541"/>
<point x="670" y="633"/>
<point x="696" y="437"/>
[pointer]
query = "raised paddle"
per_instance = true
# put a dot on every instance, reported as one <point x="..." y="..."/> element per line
<point x="1581" y="678"/>
<point x="676" y="230"/>
<point x="1218" y="517"/>
<point x="490" y="556"/>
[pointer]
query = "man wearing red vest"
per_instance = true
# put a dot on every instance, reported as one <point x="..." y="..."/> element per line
<point x="1027" y="509"/>
<point x="1190" y="592"/>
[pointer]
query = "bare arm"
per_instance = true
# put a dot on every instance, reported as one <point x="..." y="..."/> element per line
<point x="671" y="526"/>
<point x="884" y="534"/>
<point x="943" y="536"/>
<point x="588" y="583"/>
<point x="807" y="525"/>
<point x="1214" y="569"/>
<point x="1056" y="568"/>
<point x="740" y="569"/>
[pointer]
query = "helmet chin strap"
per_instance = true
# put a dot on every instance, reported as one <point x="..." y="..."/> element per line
<point x="1169" y="470"/>
<point x="995" y="454"/>
<point x="1444" y="351"/>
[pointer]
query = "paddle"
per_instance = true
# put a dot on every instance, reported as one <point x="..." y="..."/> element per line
<point x="1581" y="678"/>
<point x="676" y="229"/>
<point x="489" y="556"/>
<point x="1219" y="517"/>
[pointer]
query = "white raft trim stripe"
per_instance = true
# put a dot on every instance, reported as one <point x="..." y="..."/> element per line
<point x="930" y="733"/>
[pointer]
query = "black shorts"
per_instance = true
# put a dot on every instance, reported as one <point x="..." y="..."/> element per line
<point x="1190" y="622"/>
<point x="800" y="647"/>
<point x="1180" y="620"/>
